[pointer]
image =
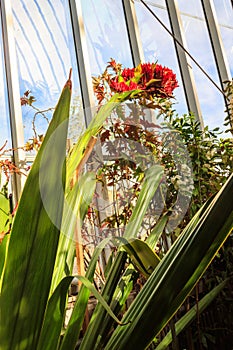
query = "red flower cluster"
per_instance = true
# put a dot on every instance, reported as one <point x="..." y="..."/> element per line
<point x="152" y="78"/>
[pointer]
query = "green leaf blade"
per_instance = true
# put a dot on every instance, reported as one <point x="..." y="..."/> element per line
<point x="75" y="323"/>
<point x="77" y="202"/>
<point x="54" y="317"/>
<point x="191" y="315"/>
<point x="4" y="227"/>
<point x="176" y="275"/>
<point x="34" y="238"/>
<point x="151" y="182"/>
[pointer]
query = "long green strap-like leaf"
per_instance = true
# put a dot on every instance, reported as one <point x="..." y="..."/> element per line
<point x="78" y="200"/>
<point x="75" y="324"/>
<point x="151" y="183"/>
<point x="121" y="294"/>
<point x="95" y="330"/>
<point x="65" y="250"/>
<point x="157" y="231"/>
<point x="191" y="315"/>
<point x="34" y="238"/>
<point x="125" y="285"/>
<point x="4" y="227"/>
<point x="176" y="275"/>
<point x="4" y="212"/>
<point x="3" y="253"/>
<point x="54" y="317"/>
<point x="98" y="296"/>
<point x="142" y="256"/>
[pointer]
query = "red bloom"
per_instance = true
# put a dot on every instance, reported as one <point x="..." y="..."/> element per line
<point x="124" y="82"/>
<point x="128" y="73"/>
<point x="152" y="78"/>
<point x="147" y="71"/>
<point x="168" y="79"/>
<point x="157" y="79"/>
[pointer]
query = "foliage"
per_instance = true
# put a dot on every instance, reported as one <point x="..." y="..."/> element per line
<point x="211" y="156"/>
<point x="38" y="261"/>
<point x="7" y="166"/>
<point x="229" y="102"/>
<point x="188" y="317"/>
<point x="36" y="226"/>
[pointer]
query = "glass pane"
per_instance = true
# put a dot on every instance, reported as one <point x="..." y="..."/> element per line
<point x="4" y="115"/>
<point x="198" y="42"/>
<point x="106" y="33"/>
<point x="158" y="44"/>
<point x="224" y="12"/>
<point x="45" y="52"/>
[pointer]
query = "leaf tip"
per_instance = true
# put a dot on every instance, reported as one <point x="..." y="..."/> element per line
<point x="69" y="82"/>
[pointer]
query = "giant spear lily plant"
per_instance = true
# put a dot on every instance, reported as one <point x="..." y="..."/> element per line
<point x="37" y="257"/>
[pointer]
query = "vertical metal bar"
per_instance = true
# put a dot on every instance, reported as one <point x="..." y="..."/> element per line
<point x="82" y="59"/>
<point x="216" y="41"/>
<point x="133" y="32"/>
<point x="85" y="83"/>
<point x="87" y="96"/>
<point x="184" y="61"/>
<point x="12" y="79"/>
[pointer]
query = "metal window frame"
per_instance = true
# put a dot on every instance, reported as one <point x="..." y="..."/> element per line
<point x="221" y="60"/>
<point x="12" y="80"/>
<point x="133" y="32"/>
<point x="87" y="93"/>
<point x="184" y="61"/>
<point x="83" y="62"/>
